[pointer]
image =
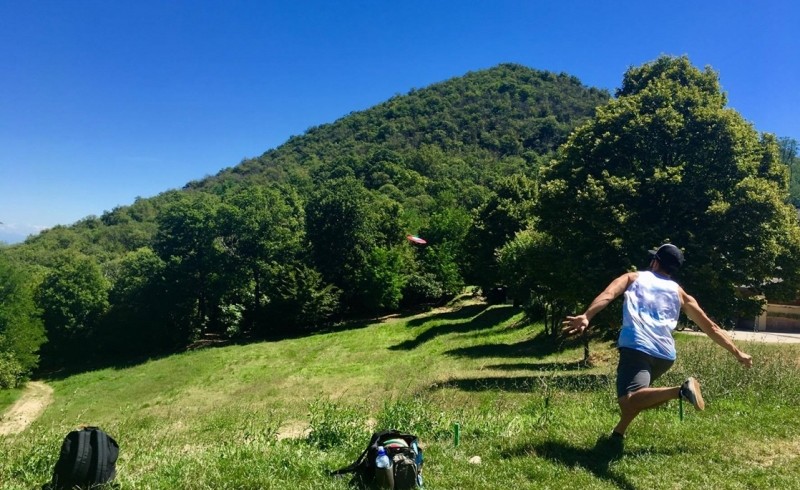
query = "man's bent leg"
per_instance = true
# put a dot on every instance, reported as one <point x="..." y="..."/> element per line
<point x="635" y="372"/>
<point x="643" y="399"/>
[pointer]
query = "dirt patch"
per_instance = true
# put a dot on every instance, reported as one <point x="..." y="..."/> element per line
<point x="296" y="429"/>
<point x="766" y="454"/>
<point x="455" y="305"/>
<point x="36" y="397"/>
<point x="293" y="430"/>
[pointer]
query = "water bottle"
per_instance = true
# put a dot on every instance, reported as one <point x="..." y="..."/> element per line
<point x="417" y="454"/>
<point x="384" y="476"/>
<point x="418" y="461"/>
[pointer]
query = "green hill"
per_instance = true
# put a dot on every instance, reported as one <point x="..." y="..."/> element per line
<point x="454" y="139"/>
<point x="480" y="119"/>
<point x="279" y="414"/>
<point x="310" y="233"/>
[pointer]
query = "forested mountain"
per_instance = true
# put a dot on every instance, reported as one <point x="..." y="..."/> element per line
<point x="483" y="117"/>
<point x="313" y="230"/>
<point x="513" y="176"/>
<point x="457" y="138"/>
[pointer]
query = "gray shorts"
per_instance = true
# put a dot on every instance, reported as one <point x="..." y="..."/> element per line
<point x="636" y="370"/>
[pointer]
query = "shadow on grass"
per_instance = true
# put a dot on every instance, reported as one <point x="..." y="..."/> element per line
<point x="466" y="311"/>
<point x="96" y="359"/>
<point x="89" y="364"/>
<point x="526" y="384"/>
<point x="596" y="460"/>
<point x="542" y="345"/>
<point x="483" y="317"/>
<point x="539" y="366"/>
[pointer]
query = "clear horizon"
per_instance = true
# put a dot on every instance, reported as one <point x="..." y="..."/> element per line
<point x="107" y="101"/>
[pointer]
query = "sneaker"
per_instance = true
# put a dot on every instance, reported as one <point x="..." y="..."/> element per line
<point x="610" y="447"/>
<point x="690" y="391"/>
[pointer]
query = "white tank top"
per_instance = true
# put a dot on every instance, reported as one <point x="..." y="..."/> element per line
<point x="649" y="315"/>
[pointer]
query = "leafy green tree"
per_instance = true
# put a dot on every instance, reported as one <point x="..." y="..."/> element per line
<point x="439" y="269"/>
<point x="383" y="278"/>
<point x="187" y="241"/>
<point x="260" y="226"/>
<point x="299" y="299"/>
<point x="533" y="267"/>
<point x="73" y="298"/>
<point x="790" y="156"/>
<point x="345" y="223"/>
<point x="509" y="210"/>
<point x="21" y="329"/>
<point x="667" y="161"/>
<point x="137" y="322"/>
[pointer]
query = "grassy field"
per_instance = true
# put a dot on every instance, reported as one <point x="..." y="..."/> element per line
<point x="278" y="415"/>
<point x="8" y="397"/>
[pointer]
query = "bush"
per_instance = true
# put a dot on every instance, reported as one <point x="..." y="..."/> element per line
<point x="415" y="416"/>
<point x="333" y="425"/>
<point x="422" y="288"/>
<point x="12" y="374"/>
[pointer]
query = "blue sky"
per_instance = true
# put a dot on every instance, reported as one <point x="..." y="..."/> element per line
<point x="103" y="101"/>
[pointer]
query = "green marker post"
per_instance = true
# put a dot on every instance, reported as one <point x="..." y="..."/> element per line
<point x="456" y="434"/>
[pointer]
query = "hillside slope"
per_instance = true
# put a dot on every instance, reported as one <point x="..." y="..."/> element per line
<point x="506" y="111"/>
<point x="456" y="137"/>
<point x="219" y="418"/>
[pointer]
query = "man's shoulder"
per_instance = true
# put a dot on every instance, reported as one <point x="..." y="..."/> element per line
<point x="631" y="277"/>
<point x="651" y="277"/>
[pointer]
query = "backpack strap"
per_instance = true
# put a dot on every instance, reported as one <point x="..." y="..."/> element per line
<point x="113" y="455"/>
<point x="100" y="456"/>
<point x="83" y="455"/>
<point x="351" y="468"/>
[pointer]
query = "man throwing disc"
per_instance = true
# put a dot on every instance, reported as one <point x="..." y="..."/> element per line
<point x="650" y="311"/>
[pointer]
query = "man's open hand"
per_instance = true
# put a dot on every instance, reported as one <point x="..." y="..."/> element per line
<point x="745" y="359"/>
<point x="575" y="325"/>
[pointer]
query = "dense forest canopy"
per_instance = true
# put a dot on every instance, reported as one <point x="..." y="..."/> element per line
<point x="313" y="232"/>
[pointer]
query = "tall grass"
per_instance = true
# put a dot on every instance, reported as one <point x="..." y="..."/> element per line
<point x="773" y="379"/>
<point x="8" y="397"/>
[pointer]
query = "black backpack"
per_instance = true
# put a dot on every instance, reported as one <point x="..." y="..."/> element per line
<point x="406" y="461"/>
<point x="88" y="458"/>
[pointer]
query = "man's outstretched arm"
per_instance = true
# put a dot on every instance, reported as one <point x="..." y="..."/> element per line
<point x="579" y="323"/>
<point x="697" y="315"/>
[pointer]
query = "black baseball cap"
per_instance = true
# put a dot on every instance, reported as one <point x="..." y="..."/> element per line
<point x="669" y="256"/>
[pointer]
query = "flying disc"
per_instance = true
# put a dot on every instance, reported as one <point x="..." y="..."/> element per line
<point x="395" y="443"/>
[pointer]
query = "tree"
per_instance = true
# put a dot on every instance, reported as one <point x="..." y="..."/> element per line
<point x="137" y="322"/>
<point x="21" y="329"/>
<point x="509" y="210"/>
<point x="299" y="299"/>
<point x="187" y="242"/>
<point x="532" y="266"/>
<point x="345" y="223"/>
<point x="790" y="156"/>
<point x="667" y="161"/>
<point x="262" y="230"/>
<point x="438" y="270"/>
<point x="73" y="298"/>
